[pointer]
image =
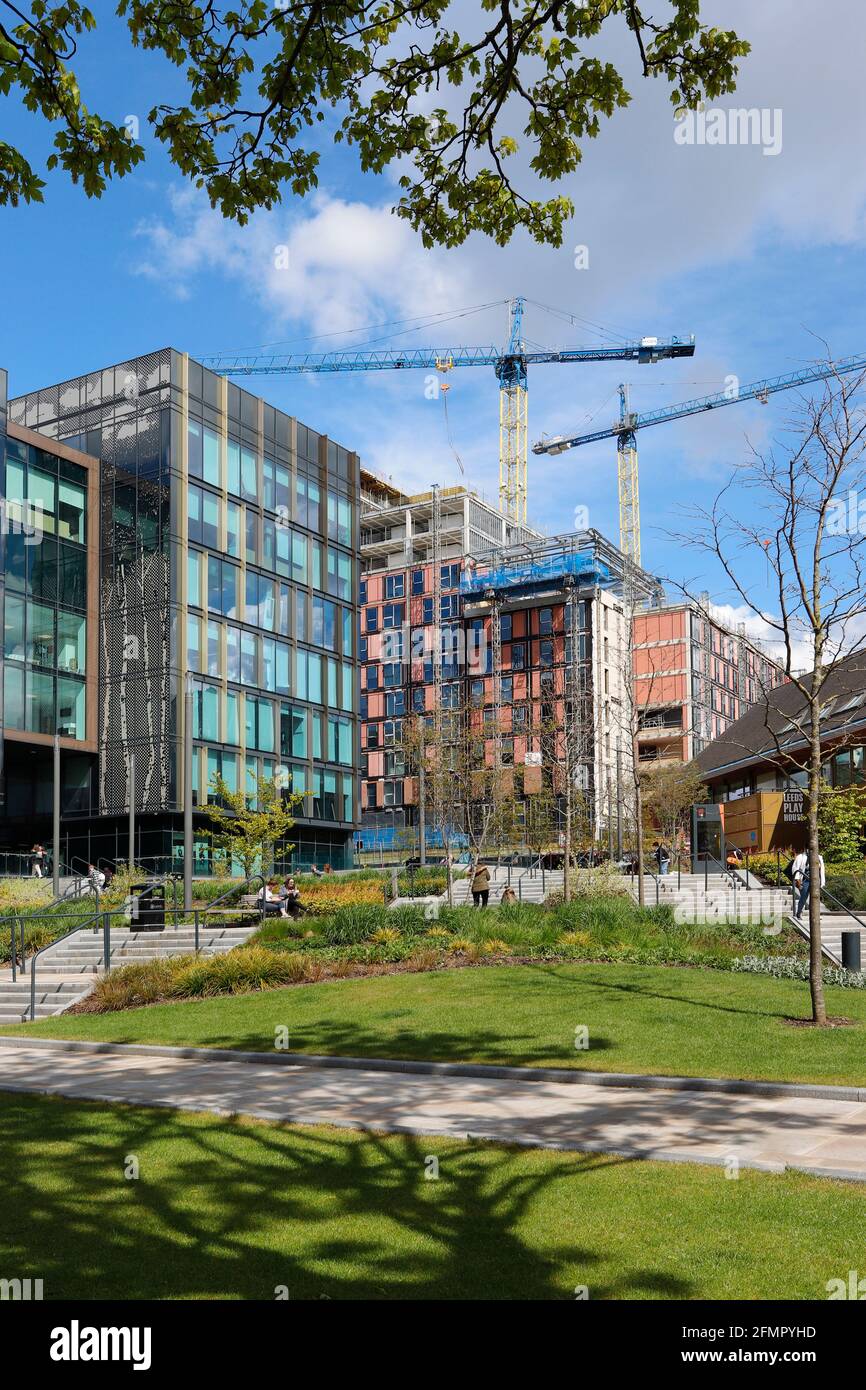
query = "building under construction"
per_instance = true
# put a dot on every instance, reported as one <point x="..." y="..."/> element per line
<point x="528" y="635"/>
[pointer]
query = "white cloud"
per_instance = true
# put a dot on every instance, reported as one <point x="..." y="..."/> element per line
<point x="333" y="267"/>
<point x="664" y="225"/>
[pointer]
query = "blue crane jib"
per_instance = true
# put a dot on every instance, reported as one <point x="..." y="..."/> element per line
<point x="583" y="567"/>
<point x="629" y="422"/>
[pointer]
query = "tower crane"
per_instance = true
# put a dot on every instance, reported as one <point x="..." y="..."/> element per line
<point x="624" y="431"/>
<point x="510" y="364"/>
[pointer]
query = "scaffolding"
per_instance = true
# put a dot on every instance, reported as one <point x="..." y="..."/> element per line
<point x="583" y="557"/>
<point x="496" y="635"/>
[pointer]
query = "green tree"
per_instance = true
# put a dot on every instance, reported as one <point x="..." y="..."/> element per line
<point x="249" y="833"/>
<point x="841" y="823"/>
<point x="270" y="85"/>
<point x="670" y="790"/>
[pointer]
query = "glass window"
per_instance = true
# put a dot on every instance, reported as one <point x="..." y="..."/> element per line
<point x="70" y="512"/>
<point x="13" y="697"/>
<point x="193" y="444"/>
<point x="348" y="686"/>
<point x="266" y="726"/>
<point x="193" y="644"/>
<point x="301" y="675"/>
<point x="193" y="579"/>
<point x="232" y="726"/>
<point x="283" y="549"/>
<point x="42" y="493"/>
<point x="249" y="480"/>
<point x="71" y="641"/>
<point x="214" y="584"/>
<point x="268" y="498"/>
<point x="233" y="459"/>
<point x="40" y="634"/>
<point x="13" y="637"/>
<point x="233" y="653"/>
<point x="210" y="521"/>
<point x="213" y="649"/>
<point x="14" y="481"/>
<point x="269" y="663"/>
<point x="266" y="603"/>
<point x="249" y="663"/>
<point x="347" y="617"/>
<point x="39" y="708"/>
<point x="283" y="668"/>
<point x="344" y="521"/>
<point x="210" y="713"/>
<point x="299" y="559"/>
<point x="71" y="578"/>
<point x="252" y="543"/>
<point x="314" y="678"/>
<point x="71" y="704"/>
<point x="299" y="733"/>
<point x="251" y="598"/>
<point x="285" y="608"/>
<point x="269" y="544"/>
<point x="230" y="590"/>
<point x="233" y="530"/>
<point x="300" y="615"/>
<point x="211" y="458"/>
<point x="313" y="505"/>
<point x="193" y="513"/>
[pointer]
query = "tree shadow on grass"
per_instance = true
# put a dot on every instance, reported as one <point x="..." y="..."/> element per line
<point x="227" y="1208"/>
<point x="643" y="991"/>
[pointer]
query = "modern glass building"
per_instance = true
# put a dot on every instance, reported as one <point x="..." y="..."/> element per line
<point x="228" y="561"/>
<point x="49" y="585"/>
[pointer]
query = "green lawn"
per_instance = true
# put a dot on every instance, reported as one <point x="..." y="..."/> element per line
<point x="642" y="1019"/>
<point x="235" y="1209"/>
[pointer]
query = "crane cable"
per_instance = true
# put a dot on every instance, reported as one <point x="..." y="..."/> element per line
<point x="443" y="391"/>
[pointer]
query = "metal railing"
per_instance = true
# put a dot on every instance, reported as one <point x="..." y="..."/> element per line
<point x="18" y="919"/>
<point x="102" y="917"/>
<point x="105" y="918"/>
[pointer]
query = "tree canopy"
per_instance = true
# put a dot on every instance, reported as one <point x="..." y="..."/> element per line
<point x="269" y="86"/>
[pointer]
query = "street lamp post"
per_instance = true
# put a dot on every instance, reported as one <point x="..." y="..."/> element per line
<point x="131" y="811"/>
<point x="56" y="819"/>
<point x="187" y="797"/>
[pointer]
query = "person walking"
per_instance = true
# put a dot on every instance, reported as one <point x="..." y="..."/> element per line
<point x="800" y="871"/>
<point x="662" y="856"/>
<point x="37" y="861"/>
<point x="480" y="884"/>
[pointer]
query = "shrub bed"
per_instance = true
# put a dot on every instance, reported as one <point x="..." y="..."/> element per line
<point x="795" y="968"/>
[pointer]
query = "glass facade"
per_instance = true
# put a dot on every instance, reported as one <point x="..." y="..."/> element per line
<point x="271" y="601"/>
<point x="228" y="553"/>
<point x="45" y="592"/>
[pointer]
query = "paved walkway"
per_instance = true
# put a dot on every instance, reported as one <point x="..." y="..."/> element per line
<point x="819" y="1135"/>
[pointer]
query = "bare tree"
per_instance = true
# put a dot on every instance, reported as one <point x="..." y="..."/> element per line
<point x="800" y="512"/>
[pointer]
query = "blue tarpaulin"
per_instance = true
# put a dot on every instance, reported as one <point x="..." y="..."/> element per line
<point x="585" y="567"/>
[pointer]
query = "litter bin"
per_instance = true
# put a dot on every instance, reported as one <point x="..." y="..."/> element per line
<point x="148" y="907"/>
<point x="851" y="950"/>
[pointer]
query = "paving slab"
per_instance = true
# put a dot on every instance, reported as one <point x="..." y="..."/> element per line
<point x="765" y="1132"/>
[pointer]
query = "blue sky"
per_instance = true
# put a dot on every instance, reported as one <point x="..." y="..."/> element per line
<point x="753" y="254"/>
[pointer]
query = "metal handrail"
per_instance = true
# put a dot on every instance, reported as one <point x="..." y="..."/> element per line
<point x="106" y="925"/>
<point x="647" y="872"/>
<point x="19" y="918"/>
